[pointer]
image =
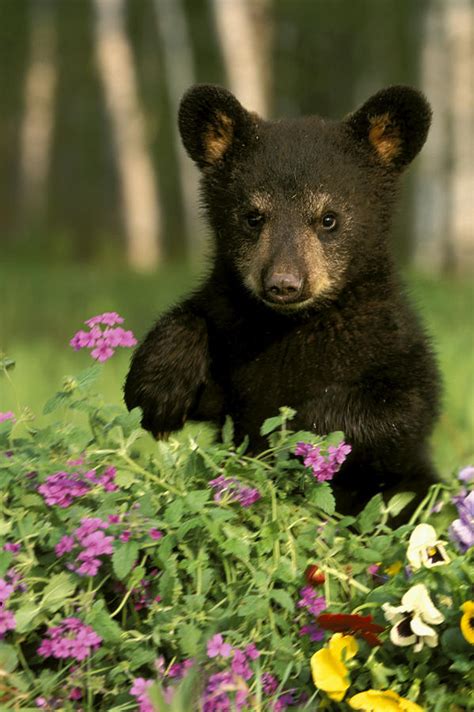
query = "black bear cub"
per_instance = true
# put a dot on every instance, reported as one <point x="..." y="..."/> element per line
<point x="303" y="306"/>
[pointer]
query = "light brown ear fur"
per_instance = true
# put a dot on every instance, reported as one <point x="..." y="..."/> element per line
<point x="385" y="137"/>
<point x="218" y="138"/>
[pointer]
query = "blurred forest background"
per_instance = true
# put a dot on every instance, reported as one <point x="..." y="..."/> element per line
<point x="99" y="204"/>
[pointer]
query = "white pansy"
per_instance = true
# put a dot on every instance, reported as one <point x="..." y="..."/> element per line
<point x="425" y="549"/>
<point x="413" y="619"/>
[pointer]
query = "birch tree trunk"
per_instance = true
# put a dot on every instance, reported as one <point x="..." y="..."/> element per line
<point x="139" y="188"/>
<point x="244" y="32"/>
<point x="444" y="224"/>
<point x="179" y="76"/>
<point x="39" y="104"/>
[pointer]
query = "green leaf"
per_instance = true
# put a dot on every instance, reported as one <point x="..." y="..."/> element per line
<point x="166" y="585"/>
<point x="24" y="615"/>
<point x="103" y="624"/>
<point x="398" y="502"/>
<point x="125" y="479"/>
<point x="322" y="497"/>
<point x="60" y="588"/>
<point x="271" y="424"/>
<point x="283" y="599"/>
<point x="174" y="512"/>
<point x="371" y="514"/>
<point x="253" y="608"/>
<point x="189" y="637"/>
<point x="238" y="548"/>
<point x="228" y="431"/>
<point x="196" y="499"/>
<point x="8" y="658"/>
<point x="369" y="556"/>
<point x="56" y="402"/>
<point x="5" y="559"/>
<point x="124" y="557"/>
<point x="89" y="375"/>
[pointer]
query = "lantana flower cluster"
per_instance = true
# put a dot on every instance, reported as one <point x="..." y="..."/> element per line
<point x="323" y="468"/>
<point x="103" y="342"/>
<point x="88" y="542"/>
<point x="234" y="491"/>
<point x="7" y="618"/>
<point x="69" y="639"/>
<point x="62" y="488"/>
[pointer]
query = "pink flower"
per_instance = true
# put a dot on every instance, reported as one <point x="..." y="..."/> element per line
<point x="155" y="533"/>
<point x="139" y="690"/>
<point x="216" y="647"/>
<point x="7" y="415"/>
<point x="324" y="468"/>
<point x="70" y="639"/>
<point x="103" y="342"/>
<point x="7" y="621"/>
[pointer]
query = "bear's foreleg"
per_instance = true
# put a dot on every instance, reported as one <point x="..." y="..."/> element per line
<point x="170" y="371"/>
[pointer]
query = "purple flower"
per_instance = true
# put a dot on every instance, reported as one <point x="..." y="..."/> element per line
<point x="107" y="318"/>
<point x="217" y="694"/>
<point x="240" y="666"/>
<point x="323" y="468"/>
<point x="103" y="342"/>
<point x="7" y="621"/>
<point x="269" y="683"/>
<point x="234" y="490"/>
<point x="7" y="415"/>
<point x="155" y="534"/>
<point x="179" y="670"/>
<point x="216" y="647"/>
<point x="466" y="474"/>
<point x="125" y="536"/>
<point x="6" y="590"/>
<point x="93" y="542"/>
<point x="140" y="692"/>
<point x="251" y="651"/>
<point x="314" y="632"/>
<point x="11" y="546"/>
<point x="313" y="603"/>
<point x="461" y="530"/>
<point x="70" y="639"/>
<point x="62" y="489"/>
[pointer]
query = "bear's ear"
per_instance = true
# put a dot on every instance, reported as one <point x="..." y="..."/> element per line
<point x="394" y="123"/>
<point x="211" y="123"/>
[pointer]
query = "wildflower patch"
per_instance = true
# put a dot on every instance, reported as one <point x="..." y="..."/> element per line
<point x="189" y="575"/>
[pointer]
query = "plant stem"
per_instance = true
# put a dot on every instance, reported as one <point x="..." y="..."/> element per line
<point x="153" y="478"/>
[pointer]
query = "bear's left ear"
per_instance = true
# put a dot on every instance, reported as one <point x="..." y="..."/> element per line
<point x="213" y="124"/>
<point x="394" y="124"/>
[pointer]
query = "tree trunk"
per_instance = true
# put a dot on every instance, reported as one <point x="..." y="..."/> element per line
<point x="179" y="76"/>
<point x="445" y="171"/>
<point x="244" y="31"/>
<point x="38" y="117"/>
<point x="139" y="189"/>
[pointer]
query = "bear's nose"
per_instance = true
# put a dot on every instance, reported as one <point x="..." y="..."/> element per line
<point x="283" y="288"/>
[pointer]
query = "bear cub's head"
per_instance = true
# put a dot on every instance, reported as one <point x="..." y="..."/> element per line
<point x="301" y="208"/>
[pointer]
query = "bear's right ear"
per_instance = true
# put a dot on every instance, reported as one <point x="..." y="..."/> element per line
<point x="212" y="123"/>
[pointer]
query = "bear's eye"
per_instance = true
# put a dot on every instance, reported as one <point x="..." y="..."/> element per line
<point x="255" y="220"/>
<point x="329" y="221"/>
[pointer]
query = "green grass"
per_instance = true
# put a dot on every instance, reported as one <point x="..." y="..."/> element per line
<point x="41" y="306"/>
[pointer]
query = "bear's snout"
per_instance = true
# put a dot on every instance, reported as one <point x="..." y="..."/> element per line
<point x="283" y="288"/>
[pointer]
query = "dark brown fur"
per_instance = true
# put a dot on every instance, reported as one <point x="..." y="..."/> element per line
<point x="293" y="312"/>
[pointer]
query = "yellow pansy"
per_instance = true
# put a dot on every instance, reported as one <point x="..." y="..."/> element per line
<point x="394" y="568"/>
<point x="328" y="669"/>
<point x="467" y="621"/>
<point x="382" y="701"/>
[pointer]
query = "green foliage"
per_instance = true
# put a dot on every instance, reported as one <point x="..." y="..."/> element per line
<point x="185" y="565"/>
